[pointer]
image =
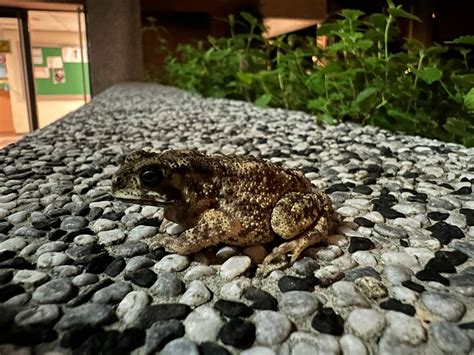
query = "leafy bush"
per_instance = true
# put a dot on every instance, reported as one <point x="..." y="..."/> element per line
<point x="358" y="76"/>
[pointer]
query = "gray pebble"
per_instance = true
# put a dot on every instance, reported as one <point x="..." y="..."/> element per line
<point x="51" y="259"/>
<point x="85" y="279"/>
<point x="66" y="271"/>
<point x="396" y="274"/>
<point x="55" y="291"/>
<point x="402" y="328"/>
<point x="203" y="324"/>
<point x="138" y="262"/>
<point x="110" y="237"/>
<point x="366" y="323"/>
<point x="449" y="338"/>
<point x="271" y="327"/>
<point x="72" y="223"/>
<point x="113" y="293"/>
<point x="30" y="278"/>
<point x="55" y="246"/>
<point x="132" y="305"/>
<point x="298" y="303"/>
<point x="346" y="295"/>
<point x="180" y="346"/>
<point x="167" y="285"/>
<point x="13" y="244"/>
<point x="141" y="232"/>
<point x="131" y="249"/>
<point x="172" y="263"/>
<point x="36" y="316"/>
<point x="196" y="294"/>
<point x="89" y="314"/>
<point x="390" y="231"/>
<point x="443" y="305"/>
<point x="352" y="345"/>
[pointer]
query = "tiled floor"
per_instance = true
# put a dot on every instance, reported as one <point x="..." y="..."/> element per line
<point x="7" y="138"/>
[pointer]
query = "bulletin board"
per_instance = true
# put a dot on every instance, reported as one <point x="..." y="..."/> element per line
<point x="73" y="83"/>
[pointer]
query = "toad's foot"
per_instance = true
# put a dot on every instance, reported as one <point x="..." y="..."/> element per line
<point x="297" y="246"/>
<point x="212" y="228"/>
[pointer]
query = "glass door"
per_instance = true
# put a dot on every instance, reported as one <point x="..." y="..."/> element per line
<point x="15" y="113"/>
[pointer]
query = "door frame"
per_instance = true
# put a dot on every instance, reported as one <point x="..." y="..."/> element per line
<point x="25" y="46"/>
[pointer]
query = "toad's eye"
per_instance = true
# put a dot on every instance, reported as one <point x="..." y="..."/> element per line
<point x="151" y="176"/>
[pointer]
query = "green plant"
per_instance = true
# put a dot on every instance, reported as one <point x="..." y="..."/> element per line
<point x="360" y="75"/>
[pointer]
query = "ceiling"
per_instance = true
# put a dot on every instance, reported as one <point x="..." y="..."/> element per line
<point x="47" y="21"/>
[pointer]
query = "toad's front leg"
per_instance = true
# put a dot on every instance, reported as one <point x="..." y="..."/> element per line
<point x="212" y="228"/>
<point x="305" y="217"/>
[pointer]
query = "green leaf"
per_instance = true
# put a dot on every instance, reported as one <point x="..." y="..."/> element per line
<point x="351" y="14"/>
<point x="249" y="18"/>
<point x="462" y="40"/>
<point x="263" y="100"/>
<point x="469" y="100"/>
<point x="399" y="12"/>
<point x="429" y="74"/>
<point x="365" y="95"/>
<point x="317" y="104"/>
<point x="327" y="29"/>
<point x="247" y="78"/>
<point x="327" y="118"/>
<point x="217" y="54"/>
<point x="365" y="44"/>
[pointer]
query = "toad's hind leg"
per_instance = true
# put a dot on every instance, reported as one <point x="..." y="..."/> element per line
<point x="212" y="228"/>
<point x="297" y="246"/>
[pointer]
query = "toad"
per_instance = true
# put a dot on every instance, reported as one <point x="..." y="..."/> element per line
<point x="230" y="199"/>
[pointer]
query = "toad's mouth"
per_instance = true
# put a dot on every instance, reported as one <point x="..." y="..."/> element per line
<point x="154" y="200"/>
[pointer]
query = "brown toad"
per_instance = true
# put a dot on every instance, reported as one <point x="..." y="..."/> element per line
<point x="235" y="200"/>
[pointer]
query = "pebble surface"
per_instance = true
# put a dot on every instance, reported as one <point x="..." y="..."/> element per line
<point x="77" y="274"/>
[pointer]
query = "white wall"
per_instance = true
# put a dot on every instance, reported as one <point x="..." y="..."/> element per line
<point x="49" y="110"/>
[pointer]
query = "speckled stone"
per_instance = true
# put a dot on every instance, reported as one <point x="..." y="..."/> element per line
<point x="271" y="327"/>
<point x="443" y="305"/>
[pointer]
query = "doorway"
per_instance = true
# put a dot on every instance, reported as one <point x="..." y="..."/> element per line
<point x="44" y="71"/>
<point x="15" y="116"/>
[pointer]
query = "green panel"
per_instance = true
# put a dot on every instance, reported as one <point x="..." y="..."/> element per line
<point x="72" y="72"/>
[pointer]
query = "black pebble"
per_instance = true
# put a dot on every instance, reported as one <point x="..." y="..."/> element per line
<point x="8" y="291"/>
<point x="56" y="234"/>
<point x="413" y="286"/>
<point x="5" y="276"/>
<point x="293" y="283"/>
<point x="419" y="197"/>
<point x="429" y="275"/>
<point x="469" y="214"/>
<point x="394" y="305"/>
<point x="233" y="309"/>
<point x="72" y="338"/>
<point x="131" y="339"/>
<point x="238" y="333"/>
<point x="95" y="213"/>
<point x="251" y="271"/>
<point x="440" y="265"/>
<point x="465" y="190"/>
<point x="362" y="189"/>
<point x="438" y="216"/>
<point x="113" y="216"/>
<point x="328" y="322"/>
<point x="455" y="257"/>
<point x="152" y="222"/>
<point x="98" y="263"/>
<point x="17" y="262"/>
<point x="7" y="315"/>
<point x="410" y="175"/>
<point x="389" y="213"/>
<point x="359" y="243"/>
<point x="27" y="336"/>
<point x="115" y="267"/>
<point x="468" y="325"/>
<point x="337" y="187"/>
<point x="157" y="254"/>
<point x="210" y="348"/>
<point x="261" y="299"/>
<point x="143" y="277"/>
<point x="5" y="227"/>
<point x="445" y="232"/>
<point x="164" y="311"/>
<point x="69" y="237"/>
<point x="444" y="184"/>
<point x="83" y="211"/>
<point x="404" y="243"/>
<point x="364" y="222"/>
<point x="7" y="254"/>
